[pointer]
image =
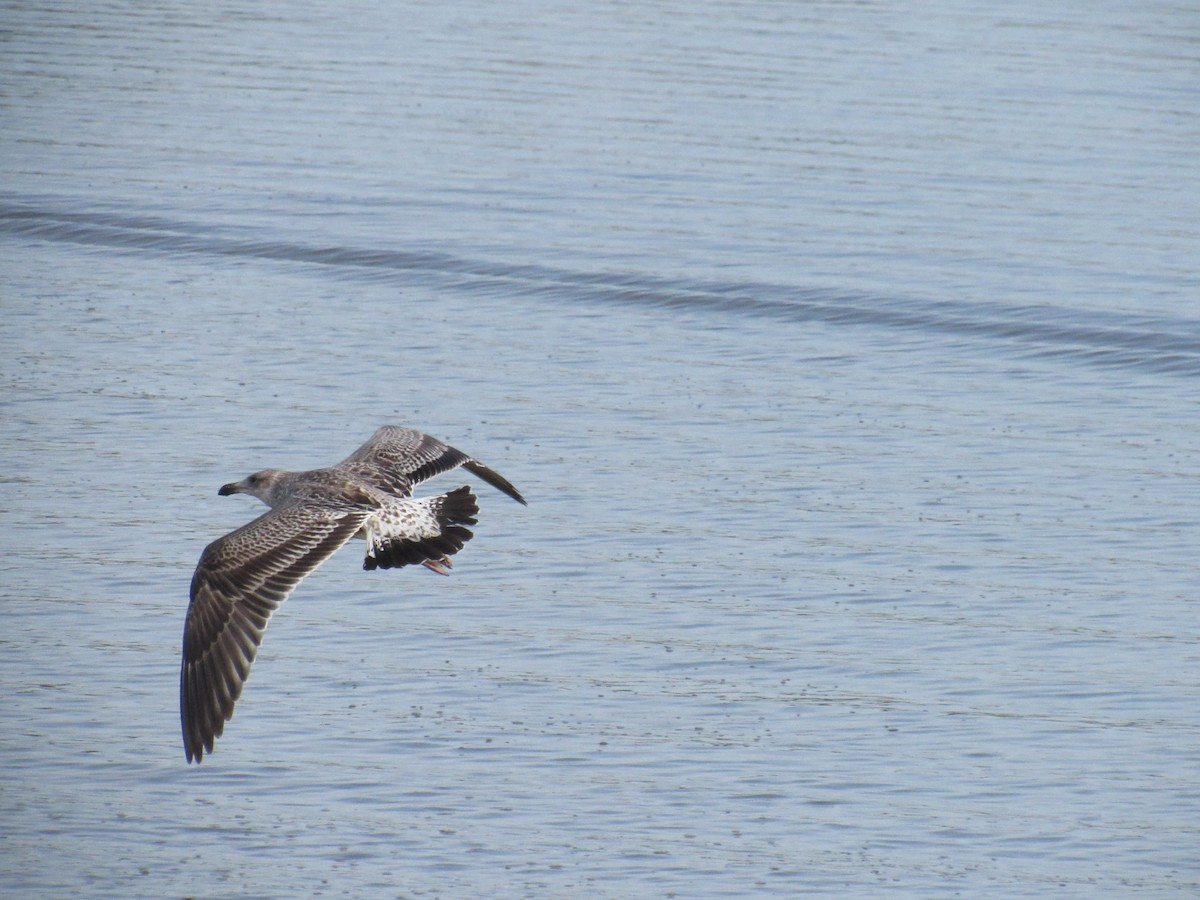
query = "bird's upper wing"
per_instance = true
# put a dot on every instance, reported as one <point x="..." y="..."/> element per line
<point x="241" y="579"/>
<point x="396" y="458"/>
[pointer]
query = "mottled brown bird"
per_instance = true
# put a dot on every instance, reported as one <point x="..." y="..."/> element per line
<point x="243" y="577"/>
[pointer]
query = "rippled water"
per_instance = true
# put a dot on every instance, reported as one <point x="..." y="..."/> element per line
<point x="848" y="361"/>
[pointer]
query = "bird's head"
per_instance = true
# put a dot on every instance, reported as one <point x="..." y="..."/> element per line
<point x="261" y="485"/>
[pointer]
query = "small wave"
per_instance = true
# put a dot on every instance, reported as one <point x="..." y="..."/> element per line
<point x="1158" y="344"/>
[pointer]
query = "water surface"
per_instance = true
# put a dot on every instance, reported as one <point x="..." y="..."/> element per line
<point x="848" y="360"/>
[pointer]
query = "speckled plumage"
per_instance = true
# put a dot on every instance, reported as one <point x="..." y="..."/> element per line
<point x="243" y="577"/>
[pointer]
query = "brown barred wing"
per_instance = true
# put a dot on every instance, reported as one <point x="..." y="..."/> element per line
<point x="396" y="458"/>
<point x="240" y="581"/>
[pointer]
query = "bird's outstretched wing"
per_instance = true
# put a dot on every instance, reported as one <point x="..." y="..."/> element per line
<point x="241" y="579"/>
<point x="396" y="458"/>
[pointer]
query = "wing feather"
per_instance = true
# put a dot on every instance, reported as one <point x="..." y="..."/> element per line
<point x="396" y="458"/>
<point x="241" y="579"/>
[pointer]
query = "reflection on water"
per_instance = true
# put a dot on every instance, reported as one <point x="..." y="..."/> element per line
<point x="860" y="458"/>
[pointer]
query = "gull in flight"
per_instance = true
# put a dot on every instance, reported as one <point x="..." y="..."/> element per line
<point x="243" y="577"/>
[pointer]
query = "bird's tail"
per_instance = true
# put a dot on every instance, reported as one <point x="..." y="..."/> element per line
<point x="427" y="531"/>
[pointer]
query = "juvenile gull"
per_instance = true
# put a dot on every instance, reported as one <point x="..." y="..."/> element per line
<point x="243" y="577"/>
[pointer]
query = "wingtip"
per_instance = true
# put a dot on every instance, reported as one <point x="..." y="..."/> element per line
<point x="494" y="478"/>
<point x="193" y="753"/>
<point x="193" y="747"/>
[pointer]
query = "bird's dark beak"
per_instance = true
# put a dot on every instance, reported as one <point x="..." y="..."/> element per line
<point x="231" y="488"/>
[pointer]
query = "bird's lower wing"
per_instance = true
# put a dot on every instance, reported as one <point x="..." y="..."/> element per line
<point x="241" y="579"/>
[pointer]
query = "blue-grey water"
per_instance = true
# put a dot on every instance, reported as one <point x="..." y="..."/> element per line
<point x="848" y="354"/>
